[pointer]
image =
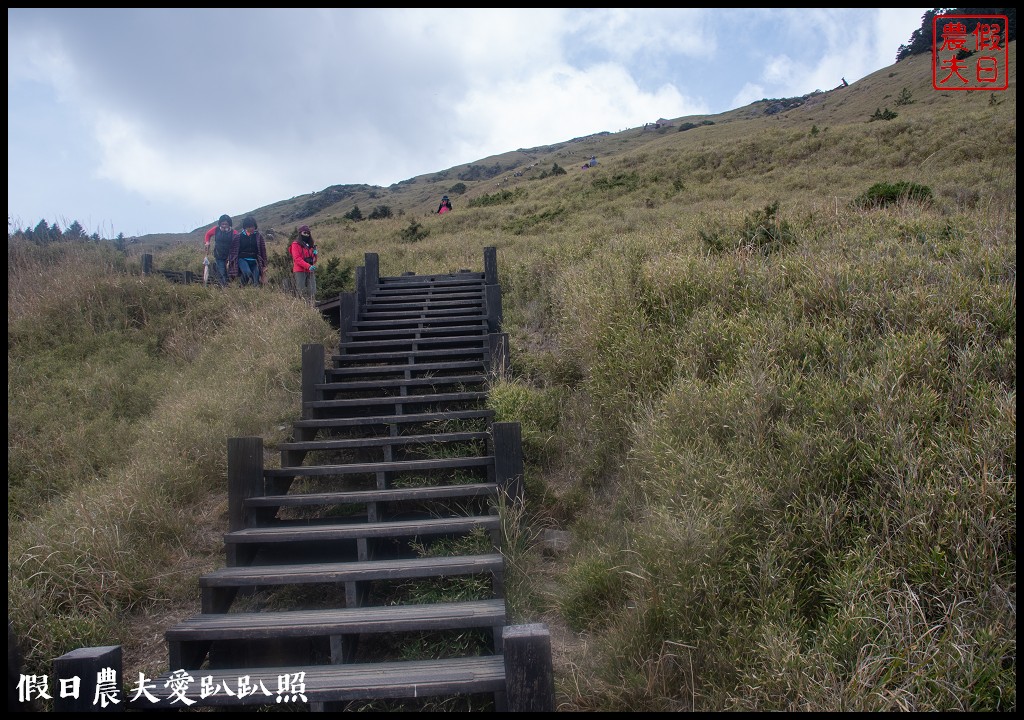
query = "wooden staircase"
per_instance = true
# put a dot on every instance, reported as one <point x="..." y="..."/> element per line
<point x="379" y="533"/>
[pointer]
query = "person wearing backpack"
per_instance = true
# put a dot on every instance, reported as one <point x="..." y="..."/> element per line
<point x="248" y="256"/>
<point x="222" y="237"/>
<point x="304" y="256"/>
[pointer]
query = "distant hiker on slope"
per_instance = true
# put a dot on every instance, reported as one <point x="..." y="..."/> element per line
<point x="222" y="236"/>
<point x="445" y="206"/>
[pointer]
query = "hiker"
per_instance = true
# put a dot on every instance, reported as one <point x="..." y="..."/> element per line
<point x="222" y="236"/>
<point x="304" y="254"/>
<point x="445" y="206"/>
<point x="247" y="259"/>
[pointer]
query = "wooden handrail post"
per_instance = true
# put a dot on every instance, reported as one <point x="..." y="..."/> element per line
<point x="348" y="313"/>
<point x="245" y="480"/>
<point x="499" y="359"/>
<point x="372" y="263"/>
<point x="508" y="458"/>
<point x="312" y="374"/>
<point x="529" y="671"/>
<point x="492" y="301"/>
<point x="147" y="264"/>
<point x="360" y="287"/>
<point x="98" y="670"/>
<point x="490" y="266"/>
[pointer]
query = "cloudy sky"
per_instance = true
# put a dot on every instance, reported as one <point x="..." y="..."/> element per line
<point x="158" y="120"/>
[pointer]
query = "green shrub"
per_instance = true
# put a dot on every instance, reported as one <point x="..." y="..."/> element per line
<point x="629" y="181"/>
<point x="414" y="232"/>
<point x="905" y="97"/>
<point x="332" y="279"/>
<point x="528" y="222"/>
<point x="879" y="114"/>
<point x="883" y="194"/>
<point x="765" y="232"/>
<point x="499" y="198"/>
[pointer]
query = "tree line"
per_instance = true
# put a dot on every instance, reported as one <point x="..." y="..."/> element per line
<point x="921" y="40"/>
<point x="44" y="233"/>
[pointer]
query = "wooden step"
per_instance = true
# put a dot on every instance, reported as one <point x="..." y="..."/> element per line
<point x="387" y="287"/>
<point x="440" y="322"/>
<point x="407" y="370"/>
<point x="363" y="530"/>
<point x="455" y="397"/>
<point x="383" y="441"/>
<point x="422" y="313"/>
<point x="340" y="621"/>
<point x="332" y="683"/>
<point x="411" y="295"/>
<point x="360" y="571"/>
<point x="424" y="303"/>
<point x="387" y="420"/>
<point x="455" y="330"/>
<point x="441" y="280"/>
<point x="362" y="497"/>
<point x="400" y="466"/>
<point x="219" y="587"/>
<point x="190" y="641"/>
<point x="410" y="357"/>
<point x="358" y="348"/>
<point x="429" y="381"/>
<point x="427" y="291"/>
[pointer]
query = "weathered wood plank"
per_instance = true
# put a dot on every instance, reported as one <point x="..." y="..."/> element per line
<point x="308" y="623"/>
<point x="307" y="573"/>
<point x="86" y="664"/>
<point x="397" y="399"/>
<point x="411" y="418"/>
<point x="461" y="341"/>
<point x="355" y="531"/>
<point x="391" y="330"/>
<point x="356" y="443"/>
<point x="435" y="492"/>
<point x="326" y="683"/>
<point x="411" y="369"/>
<point x="410" y="356"/>
<point x="402" y="383"/>
<point x="364" y="468"/>
<point x="440" y="322"/>
<point x="528" y="669"/>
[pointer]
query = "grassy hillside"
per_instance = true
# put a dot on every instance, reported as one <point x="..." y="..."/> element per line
<point x="776" y="412"/>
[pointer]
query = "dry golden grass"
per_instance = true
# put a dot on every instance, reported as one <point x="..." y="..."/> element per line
<point x="786" y="450"/>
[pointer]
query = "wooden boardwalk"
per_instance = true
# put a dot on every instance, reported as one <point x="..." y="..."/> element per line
<point x="379" y="532"/>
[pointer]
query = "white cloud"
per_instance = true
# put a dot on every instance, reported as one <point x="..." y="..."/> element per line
<point x="170" y="113"/>
<point x="559" y="104"/>
<point x="750" y="92"/>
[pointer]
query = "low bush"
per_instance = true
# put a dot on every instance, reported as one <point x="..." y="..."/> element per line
<point x="883" y="194"/>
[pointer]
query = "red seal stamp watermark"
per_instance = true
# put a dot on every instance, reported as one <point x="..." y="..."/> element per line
<point x="970" y="52"/>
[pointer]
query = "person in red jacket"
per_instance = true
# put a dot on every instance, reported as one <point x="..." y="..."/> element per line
<point x="304" y="255"/>
<point x="445" y="206"/>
